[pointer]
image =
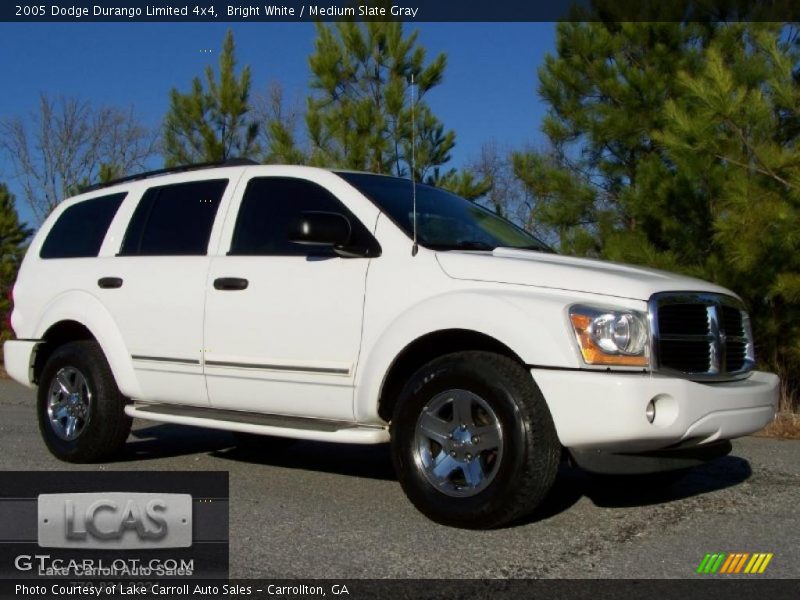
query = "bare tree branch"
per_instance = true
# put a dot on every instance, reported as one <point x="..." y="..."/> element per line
<point x="67" y="143"/>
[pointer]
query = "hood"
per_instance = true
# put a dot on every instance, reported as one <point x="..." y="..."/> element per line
<point x="540" y="269"/>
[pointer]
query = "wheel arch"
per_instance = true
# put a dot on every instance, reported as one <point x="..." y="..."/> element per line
<point x="58" y="334"/>
<point x="427" y="348"/>
<point x="530" y="328"/>
<point x="77" y="316"/>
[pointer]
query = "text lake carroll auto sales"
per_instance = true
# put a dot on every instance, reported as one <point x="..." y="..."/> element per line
<point x="238" y="11"/>
<point x="183" y="589"/>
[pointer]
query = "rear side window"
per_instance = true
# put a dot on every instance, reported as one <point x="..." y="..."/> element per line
<point x="271" y="204"/>
<point x="174" y="220"/>
<point x="80" y="230"/>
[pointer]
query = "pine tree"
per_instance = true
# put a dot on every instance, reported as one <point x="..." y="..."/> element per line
<point x="212" y="122"/>
<point x="735" y="133"/>
<point x="675" y="145"/>
<point x="359" y="115"/>
<point x="466" y="183"/>
<point x="605" y="177"/>
<point x="13" y="236"/>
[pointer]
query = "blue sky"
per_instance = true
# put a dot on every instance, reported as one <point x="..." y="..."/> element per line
<point x="489" y="90"/>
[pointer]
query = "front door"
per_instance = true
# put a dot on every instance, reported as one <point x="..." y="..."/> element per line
<point x="283" y="320"/>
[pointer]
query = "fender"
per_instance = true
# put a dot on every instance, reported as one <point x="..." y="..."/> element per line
<point x="87" y="310"/>
<point x="533" y="327"/>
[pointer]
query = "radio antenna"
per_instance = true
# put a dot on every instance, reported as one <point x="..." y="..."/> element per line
<point x="415" y="247"/>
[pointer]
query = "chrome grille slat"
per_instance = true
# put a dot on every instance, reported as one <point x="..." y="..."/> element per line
<point x="699" y="336"/>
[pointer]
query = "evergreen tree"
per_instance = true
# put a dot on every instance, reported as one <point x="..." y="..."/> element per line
<point x="734" y="132"/>
<point x="466" y="183"/>
<point x="212" y="122"/>
<point x="13" y="236"/>
<point x="359" y="115"/>
<point x="675" y="145"/>
<point x="605" y="176"/>
<point x="280" y="131"/>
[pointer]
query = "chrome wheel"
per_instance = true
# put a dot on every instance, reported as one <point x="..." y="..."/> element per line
<point x="458" y="443"/>
<point x="69" y="403"/>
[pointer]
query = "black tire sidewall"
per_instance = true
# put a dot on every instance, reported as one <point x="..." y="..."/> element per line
<point x="106" y="406"/>
<point x="501" y="395"/>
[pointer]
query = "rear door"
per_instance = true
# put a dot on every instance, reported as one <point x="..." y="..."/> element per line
<point x="156" y="285"/>
<point x="283" y="320"/>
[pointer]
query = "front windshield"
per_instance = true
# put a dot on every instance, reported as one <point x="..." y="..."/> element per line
<point x="444" y="221"/>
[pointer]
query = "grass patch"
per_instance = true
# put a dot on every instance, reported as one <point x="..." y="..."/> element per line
<point x="786" y="426"/>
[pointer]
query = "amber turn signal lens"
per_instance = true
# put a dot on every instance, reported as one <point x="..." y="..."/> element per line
<point x="592" y="354"/>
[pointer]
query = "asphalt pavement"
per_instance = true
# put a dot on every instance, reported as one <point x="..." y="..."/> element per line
<point x="332" y="511"/>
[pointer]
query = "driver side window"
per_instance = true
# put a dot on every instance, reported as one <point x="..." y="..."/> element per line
<point x="269" y="207"/>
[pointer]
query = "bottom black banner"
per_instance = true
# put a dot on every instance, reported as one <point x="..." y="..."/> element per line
<point x="496" y="589"/>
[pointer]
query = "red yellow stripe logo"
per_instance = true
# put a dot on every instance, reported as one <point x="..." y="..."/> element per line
<point x="736" y="562"/>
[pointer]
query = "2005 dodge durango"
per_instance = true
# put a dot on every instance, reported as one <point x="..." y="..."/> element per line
<point x="283" y="302"/>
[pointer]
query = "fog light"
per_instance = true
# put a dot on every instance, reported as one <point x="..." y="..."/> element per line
<point x="650" y="411"/>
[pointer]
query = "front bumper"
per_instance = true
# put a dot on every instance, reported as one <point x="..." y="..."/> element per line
<point x="654" y="461"/>
<point x="606" y="410"/>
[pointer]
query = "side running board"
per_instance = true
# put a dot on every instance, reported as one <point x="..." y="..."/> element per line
<point x="302" y="428"/>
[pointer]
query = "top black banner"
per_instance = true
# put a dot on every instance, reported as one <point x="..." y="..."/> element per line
<point x="402" y="10"/>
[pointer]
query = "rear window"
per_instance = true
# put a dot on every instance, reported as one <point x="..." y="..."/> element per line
<point x="174" y="220"/>
<point x="80" y="230"/>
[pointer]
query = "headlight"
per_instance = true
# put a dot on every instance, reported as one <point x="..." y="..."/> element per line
<point x="610" y="337"/>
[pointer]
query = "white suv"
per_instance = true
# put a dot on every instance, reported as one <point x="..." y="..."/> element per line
<point x="293" y="302"/>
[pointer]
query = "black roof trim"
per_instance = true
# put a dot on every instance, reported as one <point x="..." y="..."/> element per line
<point x="231" y="162"/>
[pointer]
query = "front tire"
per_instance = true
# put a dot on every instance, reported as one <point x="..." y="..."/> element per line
<point x="80" y="408"/>
<point x="473" y="441"/>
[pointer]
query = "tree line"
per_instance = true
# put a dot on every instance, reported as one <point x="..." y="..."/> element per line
<point x="672" y="145"/>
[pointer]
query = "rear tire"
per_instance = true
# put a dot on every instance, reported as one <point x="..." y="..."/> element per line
<point x="473" y="441"/>
<point x="80" y="409"/>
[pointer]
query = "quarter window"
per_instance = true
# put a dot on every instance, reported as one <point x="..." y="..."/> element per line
<point x="80" y="230"/>
<point x="174" y="220"/>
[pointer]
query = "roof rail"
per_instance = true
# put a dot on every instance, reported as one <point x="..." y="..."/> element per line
<point x="231" y="162"/>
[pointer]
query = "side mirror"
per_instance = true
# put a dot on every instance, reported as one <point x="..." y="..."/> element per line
<point x="321" y="229"/>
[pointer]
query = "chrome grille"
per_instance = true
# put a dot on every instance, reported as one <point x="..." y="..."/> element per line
<point x="700" y="336"/>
